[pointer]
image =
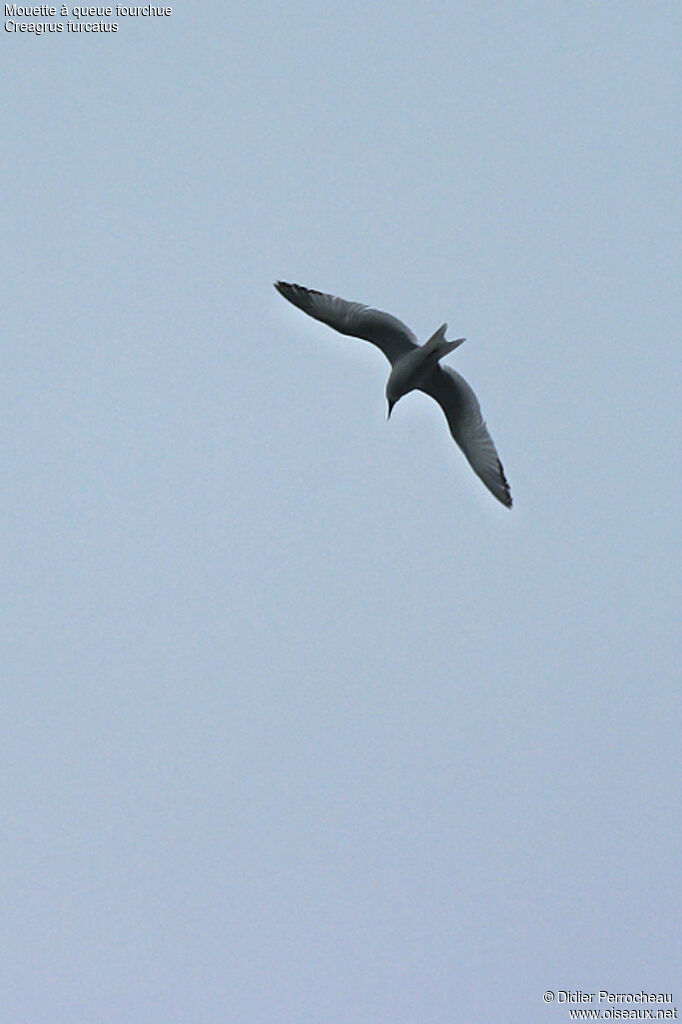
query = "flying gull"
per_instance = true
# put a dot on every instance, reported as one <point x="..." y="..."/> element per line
<point x="414" y="367"/>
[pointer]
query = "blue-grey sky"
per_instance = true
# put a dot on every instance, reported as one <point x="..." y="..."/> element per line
<point x="299" y="724"/>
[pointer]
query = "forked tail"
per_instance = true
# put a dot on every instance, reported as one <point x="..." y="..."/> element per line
<point x="438" y="345"/>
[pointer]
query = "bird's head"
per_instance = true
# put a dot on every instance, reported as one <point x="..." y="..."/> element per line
<point x="392" y="396"/>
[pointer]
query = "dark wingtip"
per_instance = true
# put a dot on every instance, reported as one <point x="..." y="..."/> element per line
<point x="283" y="286"/>
<point x="298" y="295"/>
<point x="507" y="500"/>
<point x="287" y="290"/>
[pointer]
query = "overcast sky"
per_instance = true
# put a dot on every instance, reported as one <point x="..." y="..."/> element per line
<point x="298" y="723"/>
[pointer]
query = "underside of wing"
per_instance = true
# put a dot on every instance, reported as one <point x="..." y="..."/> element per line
<point x="383" y="330"/>
<point x="467" y="426"/>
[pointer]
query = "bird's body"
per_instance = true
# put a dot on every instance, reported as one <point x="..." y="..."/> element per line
<point x="410" y="371"/>
<point x="414" y="367"/>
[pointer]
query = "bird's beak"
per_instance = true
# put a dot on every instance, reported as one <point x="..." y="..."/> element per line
<point x="390" y="407"/>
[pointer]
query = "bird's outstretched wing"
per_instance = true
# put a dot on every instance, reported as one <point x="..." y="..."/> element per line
<point x="383" y="330"/>
<point x="467" y="426"/>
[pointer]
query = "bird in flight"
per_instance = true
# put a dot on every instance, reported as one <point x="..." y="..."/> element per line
<point x="414" y="367"/>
